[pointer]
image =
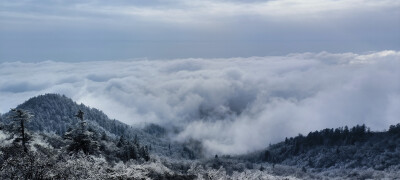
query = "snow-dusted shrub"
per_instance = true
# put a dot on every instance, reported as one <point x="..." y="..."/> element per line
<point x="29" y="165"/>
<point x="80" y="166"/>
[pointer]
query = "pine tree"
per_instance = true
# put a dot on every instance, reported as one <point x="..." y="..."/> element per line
<point x="267" y="156"/>
<point x="121" y="142"/>
<point x="132" y="151"/>
<point x="144" y="153"/>
<point x="81" y="139"/>
<point x="136" y="140"/>
<point x="104" y="136"/>
<point x="20" y="118"/>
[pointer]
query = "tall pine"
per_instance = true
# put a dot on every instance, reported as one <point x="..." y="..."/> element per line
<point x="80" y="138"/>
<point x="20" y="118"/>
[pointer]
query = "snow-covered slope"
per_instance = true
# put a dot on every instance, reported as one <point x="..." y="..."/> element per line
<point x="56" y="114"/>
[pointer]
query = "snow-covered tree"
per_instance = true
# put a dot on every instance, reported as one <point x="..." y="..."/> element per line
<point x="20" y="117"/>
<point x="80" y="138"/>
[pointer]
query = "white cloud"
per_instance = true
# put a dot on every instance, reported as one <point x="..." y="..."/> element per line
<point x="232" y="105"/>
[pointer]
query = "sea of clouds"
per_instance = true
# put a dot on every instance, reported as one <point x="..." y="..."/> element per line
<point x="232" y="105"/>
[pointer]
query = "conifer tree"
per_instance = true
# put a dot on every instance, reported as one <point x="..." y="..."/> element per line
<point x="20" y="118"/>
<point x="81" y="139"/>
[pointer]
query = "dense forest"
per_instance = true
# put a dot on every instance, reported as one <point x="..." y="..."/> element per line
<point x="336" y="148"/>
<point x="52" y="137"/>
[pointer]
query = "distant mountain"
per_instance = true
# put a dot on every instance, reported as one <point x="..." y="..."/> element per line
<point x="56" y="113"/>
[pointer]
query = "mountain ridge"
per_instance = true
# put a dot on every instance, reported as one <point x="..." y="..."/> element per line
<point x="55" y="113"/>
<point x="341" y="150"/>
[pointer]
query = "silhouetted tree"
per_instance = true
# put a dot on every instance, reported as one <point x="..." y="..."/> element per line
<point x="20" y="118"/>
<point x="267" y="156"/>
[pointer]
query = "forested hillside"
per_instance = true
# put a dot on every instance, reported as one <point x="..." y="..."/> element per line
<point x="343" y="147"/>
<point x="52" y="137"/>
<point x="54" y="113"/>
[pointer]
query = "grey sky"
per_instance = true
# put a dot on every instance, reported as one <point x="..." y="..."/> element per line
<point x="106" y="30"/>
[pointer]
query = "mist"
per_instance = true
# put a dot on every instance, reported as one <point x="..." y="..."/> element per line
<point x="231" y="105"/>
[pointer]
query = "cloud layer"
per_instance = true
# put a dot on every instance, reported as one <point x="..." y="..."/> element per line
<point x="232" y="105"/>
<point x="67" y="30"/>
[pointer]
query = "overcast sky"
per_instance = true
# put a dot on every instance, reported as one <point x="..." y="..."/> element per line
<point x="72" y="30"/>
